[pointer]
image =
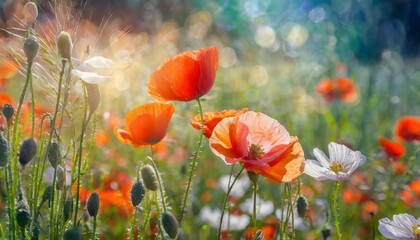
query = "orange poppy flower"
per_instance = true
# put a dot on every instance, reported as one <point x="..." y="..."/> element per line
<point x="341" y="88"/>
<point x="211" y="119"/>
<point x="185" y="77"/>
<point x="268" y="231"/>
<point x="393" y="149"/>
<point x="261" y="144"/>
<point x="408" y="128"/>
<point x="146" y="124"/>
<point x="8" y="69"/>
<point x="5" y="98"/>
<point x="411" y="193"/>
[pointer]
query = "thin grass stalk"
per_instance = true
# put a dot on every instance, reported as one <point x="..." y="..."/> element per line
<point x="225" y="202"/>
<point x="336" y="210"/>
<point x="193" y="163"/>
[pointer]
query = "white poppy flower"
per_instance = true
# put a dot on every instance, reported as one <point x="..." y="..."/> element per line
<point x="342" y="162"/>
<point x="95" y="70"/>
<point x="235" y="222"/>
<point x="264" y="208"/>
<point x="240" y="187"/>
<point x="402" y="227"/>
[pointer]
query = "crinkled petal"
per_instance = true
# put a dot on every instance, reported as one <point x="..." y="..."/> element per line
<point x="316" y="170"/>
<point x="322" y="158"/>
<point x="399" y="228"/>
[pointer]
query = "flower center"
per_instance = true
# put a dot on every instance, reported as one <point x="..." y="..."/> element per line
<point x="255" y="151"/>
<point x="416" y="230"/>
<point x="337" y="167"/>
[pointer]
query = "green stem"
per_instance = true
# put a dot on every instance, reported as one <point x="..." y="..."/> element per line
<point x="194" y="163"/>
<point x="94" y="226"/>
<point x="79" y="156"/>
<point x="33" y="106"/>
<point x="336" y="209"/>
<point x="133" y="223"/>
<point x="159" y="216"/>
<point x="225" y="202"/>
<point x="254" y="212"/>
<point x="162" y="195"/>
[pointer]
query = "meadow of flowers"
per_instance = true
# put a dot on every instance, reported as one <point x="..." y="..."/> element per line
<point x="152" y="125"/>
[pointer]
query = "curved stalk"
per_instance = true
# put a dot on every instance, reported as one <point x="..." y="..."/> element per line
<point x="336" y="210"/>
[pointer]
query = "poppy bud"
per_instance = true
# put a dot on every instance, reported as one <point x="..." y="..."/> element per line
<point x="302" y="206"/>
<point x="93" y="204"/>
<point x="64" y="45"/>
<point x="47" y="193"/>
<point x="31" y="47"/>
<point x="61" y="177"/>
<point x="137" y="193"/>
<point x="149" y="177"/>
<point x="326" y="233"/>
<point x="93" y="96"/>
<point x="23" y="217"/>
<point x="253" y="177"/>
<point x="67" y="210"/>
<point x="8" y="111"/>
<point x="30" y="13"/>
<point x="27" y="151"/>
<point x="72" y="234"/>
<point x="54" y="154"/>
<point x="4" y="151"/>
<point x="170" y="224"/>
<point x="259" y="235"/>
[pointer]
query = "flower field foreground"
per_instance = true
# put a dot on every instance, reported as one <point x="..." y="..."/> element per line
<point x="195" y="120"/>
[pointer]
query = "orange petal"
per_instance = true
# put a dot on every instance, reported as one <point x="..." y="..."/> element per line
<point x="289" y="165"/>
<point x="184" y="77"/>
<point x="220" y="141"/>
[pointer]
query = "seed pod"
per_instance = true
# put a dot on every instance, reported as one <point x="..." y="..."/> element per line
<point x="326" y="233"/>
<point x="72" y="234"/>
<point x="93" y="204"/>
<point x="30" y="13"/>
<point x="149" y="177"/>
<point x="31" y="47"/>
<point x="67" y="210"/>
<point x="4" y="151"/>
<point x="64" y="45"/>
<point x="27" y="151"/>
<point x="170" y="224"/>
<point x="253" y="177"/>
<point x="93" y="97"/>
<point x="137" y="193"/>
<point x="8" y="111"/>
<point x="47" y="193"/>
<point x="23" y="217"/>
<point x="302" y="206"/>
<point x="54" y="154"/>
<point x="61" y="178"/>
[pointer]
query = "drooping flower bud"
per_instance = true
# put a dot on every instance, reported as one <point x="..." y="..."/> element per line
<point x="253" y="176"/>
<point x="23" y="217"/>
<point x="302" y="206"/>
<point x="54" y="154"/>
<point x="149" y="177"/>
<point x="92" y="204"/>
<point x="61" y="178"/>
<point x="27" y="151"/>
<point x="4" y="151"/>
<point x="73" y="234"/>
<point x="30" y="13"/>
<point x="93" y="96"/>
<point x="67" y="210"/>
<point x="170" y="224"/>
<point x="137" y="193"/>
<point x="47" y="193"/>
<point x="31" y="47"/>
<point x="64" y="45"/>
<point x="8" y="111"/>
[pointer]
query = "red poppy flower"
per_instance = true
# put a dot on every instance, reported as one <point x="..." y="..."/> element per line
<point x="411" y="193"/>
<point x="268" y="231"/>
<point x="211" y="119"/>
<point x="146" y="124"/>
<point x="261" y="144"/>
<point x="341" y="88"/>
<point x="184" y="77"/>
<point x="5" y="99"/>
<point x="408" y="128"/>
<point x="393" y="149"/>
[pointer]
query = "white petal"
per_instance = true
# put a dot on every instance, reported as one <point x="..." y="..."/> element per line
<point x="393" y="230"/>
<point x="314" y="169"/>
<point x="320" y="156"/>
<point x="98" y="63"/>
<point x="356" y="159"/>
<point x="91" y="77"/>
<point x="338" y="152"/>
